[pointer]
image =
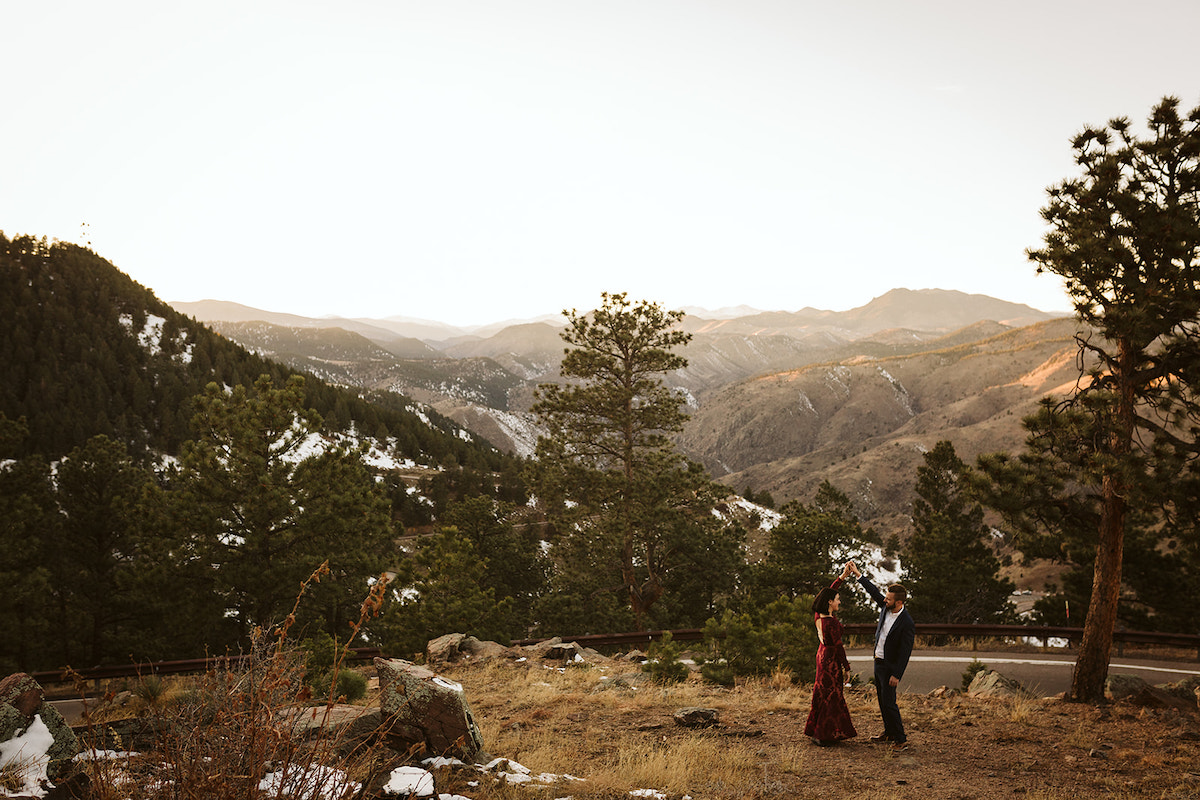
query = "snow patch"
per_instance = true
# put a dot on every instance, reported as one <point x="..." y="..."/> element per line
<point x="27" y="757"/>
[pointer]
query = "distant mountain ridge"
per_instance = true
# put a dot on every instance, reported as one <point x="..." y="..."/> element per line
<point x="755" y="384"/>
<point x="923" y="309"/>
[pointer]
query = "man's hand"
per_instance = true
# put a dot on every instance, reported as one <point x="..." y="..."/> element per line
<point x="893" y="681"/>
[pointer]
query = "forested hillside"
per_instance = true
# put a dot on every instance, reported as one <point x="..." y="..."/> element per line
<point x="165" y="493"/>
<point x="85" y="350"/>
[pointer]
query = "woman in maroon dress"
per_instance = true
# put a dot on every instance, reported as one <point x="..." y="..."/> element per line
<point x="829" y="719"/>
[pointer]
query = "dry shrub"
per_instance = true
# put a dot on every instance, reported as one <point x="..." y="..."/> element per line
<point x="236" y="734"/>
<point x="1022" y="708"/>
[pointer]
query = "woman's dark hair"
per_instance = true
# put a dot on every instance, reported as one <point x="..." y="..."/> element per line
<point x="824" y="598"/>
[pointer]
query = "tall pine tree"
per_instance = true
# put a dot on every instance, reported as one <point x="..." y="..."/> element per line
<point x="1125" y="237"/>
<point x="607" y="463"/>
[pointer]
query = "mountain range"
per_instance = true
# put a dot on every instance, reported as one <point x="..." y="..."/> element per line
<point x="779" y="400"/>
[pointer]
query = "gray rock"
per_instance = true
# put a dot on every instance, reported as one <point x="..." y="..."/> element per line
<point x="421" y="708"/>
<point x="1118" y="687"/>
<point x="1185" y="689"/>
<point x="567" y="652"/>
<point x="349" y="728"/>
<point x="1152" y="697"/>
<point x="989" y="683"/>
<point x="455" y="647"/>
<point x="695" y="717"/>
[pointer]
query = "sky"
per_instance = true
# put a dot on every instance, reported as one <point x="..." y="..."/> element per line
<point x="472" y="162"/>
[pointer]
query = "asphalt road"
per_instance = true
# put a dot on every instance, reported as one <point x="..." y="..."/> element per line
<point x="1043" y="673"/>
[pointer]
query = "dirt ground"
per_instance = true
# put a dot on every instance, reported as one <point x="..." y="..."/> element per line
<point x="960" y="747"/>
<point x="978" y="749"/>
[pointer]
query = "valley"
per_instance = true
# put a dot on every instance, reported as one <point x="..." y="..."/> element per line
<point x="779" y="401"/>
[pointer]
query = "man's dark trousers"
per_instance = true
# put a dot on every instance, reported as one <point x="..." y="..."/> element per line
<point x="893" y="727"/>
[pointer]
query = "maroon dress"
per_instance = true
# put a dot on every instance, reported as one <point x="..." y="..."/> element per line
<point x="829" y="719"/>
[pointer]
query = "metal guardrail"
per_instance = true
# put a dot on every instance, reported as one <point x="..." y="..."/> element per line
<point x="182" y="667"/>
<point x="973" y="632"/>
<point x="859" y="629"/>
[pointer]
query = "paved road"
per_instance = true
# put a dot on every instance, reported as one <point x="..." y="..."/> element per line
<point x="1043" y="673"/>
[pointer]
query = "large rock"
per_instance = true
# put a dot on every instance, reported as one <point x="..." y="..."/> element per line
<point x="567" y="652"/>
<point x="421" y="708"/>
<point x="22" y="702"/>
<point x="351" y="729"/>
<point x="989" y="683"/>
<point x="1118" y="687"/>
<point x="1185" y="689"/>
<point x="1135" y="691"/>
<point x="455" y="647"/>
<point x="695" y="717"/>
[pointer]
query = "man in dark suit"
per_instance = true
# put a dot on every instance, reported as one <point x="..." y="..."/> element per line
<point x="894" y="637"/>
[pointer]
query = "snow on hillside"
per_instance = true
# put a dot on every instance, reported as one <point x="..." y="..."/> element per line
<point x="151" y="336"/>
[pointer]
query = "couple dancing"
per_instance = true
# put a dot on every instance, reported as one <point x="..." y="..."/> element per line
<point x="829" y="719"/>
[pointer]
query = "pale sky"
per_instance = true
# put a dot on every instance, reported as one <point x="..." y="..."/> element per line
<point x="470" y="162"/>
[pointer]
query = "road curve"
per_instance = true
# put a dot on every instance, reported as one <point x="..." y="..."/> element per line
<point x="1042" y="673"/>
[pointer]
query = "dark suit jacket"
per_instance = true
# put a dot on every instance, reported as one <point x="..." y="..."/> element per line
<point x="899" y="644"/>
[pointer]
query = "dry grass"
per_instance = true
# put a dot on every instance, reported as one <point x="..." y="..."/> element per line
<point x="575" y="721"/>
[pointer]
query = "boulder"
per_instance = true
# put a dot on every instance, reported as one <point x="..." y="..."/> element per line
<point x="568" y="652"/>
<point x="455" y="647"/>
<point x="422" y="709"/>
<point x="22" y="703"/>
<point x="350" y="728"/>
<point x="989" y="683"/>
<point x="22" y="693"/>
<point x="1118" y="687"/>
<point x="695" y="717"/>
<point x="1186" y="689"/>
<point x="1153" y="697"/>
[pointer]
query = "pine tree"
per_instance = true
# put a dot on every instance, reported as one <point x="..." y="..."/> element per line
<point x="952" y="575"/>
<point x="28" y="523"/>
<point x="808" y="548"/>
<point x="254" y="502"/>
<point x="607" y="463"/>
<point x="443" y="589"/>
<point x="1125" y="236"/>
<point x="95" y="560"/>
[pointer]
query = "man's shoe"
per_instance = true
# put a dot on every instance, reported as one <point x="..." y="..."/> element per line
<point x="881" y="738"/>
<point x="899" y="746"/>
